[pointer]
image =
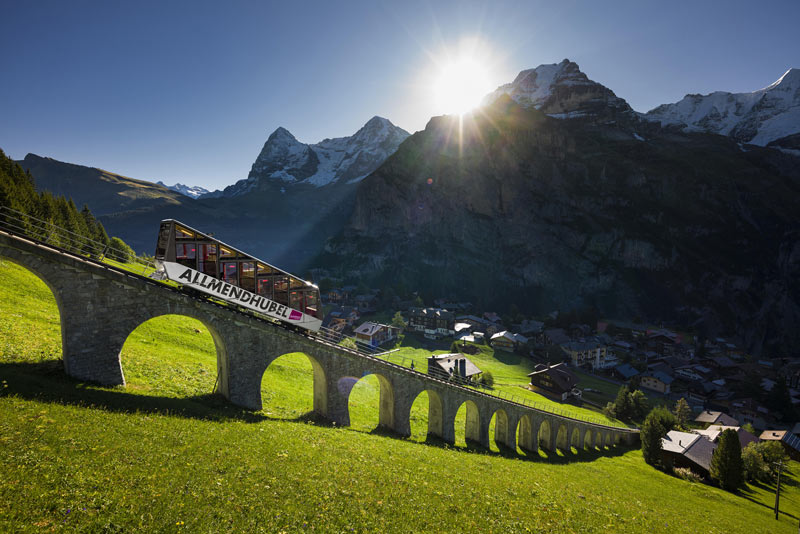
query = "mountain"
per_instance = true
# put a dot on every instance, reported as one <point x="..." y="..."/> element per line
<point x="627" y="217"/>
<point x="762" y="117"/>
<point x="192" y="191"/>
<point x="343" y="160"/>
<point x="561" y="90"/>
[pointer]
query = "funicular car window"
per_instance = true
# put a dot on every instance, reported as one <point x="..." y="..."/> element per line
<point x="296" y="300"/>
<point x="208" y="260"/>
<point x="265" y="287"/>
<point x="248" y="275"/>
<point x="311" y="303"/>
<point x="230" y="272"/>
<point x="296" y="283"/>
<point x="183" y="233"/>
<point x="163" y="240"/>
<point x="186" y="254"/>
<point x="225" y="252"/>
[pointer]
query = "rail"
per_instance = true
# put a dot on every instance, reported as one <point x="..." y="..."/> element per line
<point x="46" y="233"/>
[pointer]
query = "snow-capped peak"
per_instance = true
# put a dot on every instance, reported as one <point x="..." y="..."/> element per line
<point x="758" y="118"/>
<point x="192" y="191"/>
<point x="337" y="160"/>
<point x="560" y="90"/>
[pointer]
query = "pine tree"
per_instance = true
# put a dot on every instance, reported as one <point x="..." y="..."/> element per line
<point x="726" y="462"/>
<point x="682" y="412"/>
<point x="656" y="425"/>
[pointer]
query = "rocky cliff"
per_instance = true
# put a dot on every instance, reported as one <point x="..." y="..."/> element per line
<point x="623" y="215"/>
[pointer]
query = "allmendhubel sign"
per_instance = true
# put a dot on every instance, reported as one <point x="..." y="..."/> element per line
<point x="220" y="289"/>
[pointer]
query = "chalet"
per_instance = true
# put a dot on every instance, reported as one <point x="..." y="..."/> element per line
<point x="689" y="450"/>
<point x="626" y="371"/>
<point x="553" y="380"/>
<point x="555" y="336"/>
<point x="708" y="418"/>
<point x="658" y="381"/>
<point x="434" y="323"/>
<point x="456" y="366"/>
<point x="749" y="411"/>
<point x="341" y="318"/>
<point x="530" y="327"/>
<point x="585" y="353"/>
<point x="366" y="303"/>
<point x="790" y="442"/>
<point x="505" y="340"/>
<point x="375" y="334"/>
<point x="478" y="323"/>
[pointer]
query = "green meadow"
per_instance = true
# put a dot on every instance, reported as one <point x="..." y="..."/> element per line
<point x="164" y="454"/>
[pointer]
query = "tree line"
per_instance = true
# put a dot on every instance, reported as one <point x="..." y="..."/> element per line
<point x="84" y="232"/>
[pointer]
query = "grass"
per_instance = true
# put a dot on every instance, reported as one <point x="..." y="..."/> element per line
<point x="164" y="455"/>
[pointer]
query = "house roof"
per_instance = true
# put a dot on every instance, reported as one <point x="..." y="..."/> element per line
<point x="504" y="334"/>
<point x="707" y="416"/>
<point x="773" y="435"/>
<point x="700" y="452"/>
<point x="745" y="437"/>
<point x="437" y="312"/>
<point x="559" y="373"/>
<point x="446" y="362"/>
<point x="678" y="442"/>
<point x="626" y="370"/>
<point x="581" y="345"/>
<point x="369" y="328"/>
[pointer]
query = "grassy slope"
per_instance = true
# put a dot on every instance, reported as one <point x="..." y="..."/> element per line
<point x="163" y="455"/>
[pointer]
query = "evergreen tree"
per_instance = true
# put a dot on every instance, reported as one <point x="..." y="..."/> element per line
<point x="682" y="412"/>
<point x="656" y="425"/>
<point x="398" y="321"/>
<point x="119" y="251"/>
<point x="638" y="404"/>
<point x="726" y="462"/>
<point x="622" y="406"/>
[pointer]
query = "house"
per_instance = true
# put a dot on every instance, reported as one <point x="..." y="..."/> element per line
<point x="507" y="341"/>
<point x="454" y="365"/>
<point x="341" y="318"/>
<point x="688" y="450"/>
<point x="555" y="336"/>
<point x="553" y="380"/>
<point x="626" y="371"/>
<point x="658" y="381"/>
<point x="375" y="334"/>
<point x="434" y="323"/>
<point x="708" y="418"/>
<point x="712" y="434"/>
<point x="749" y="411"/>
<point x="487" y="327"/>
<point x="585" y="353"/>
<point x="366" y="303"/>
<point x="530" y="327"/>
<point x="790" y="442"/>
<point x="492" y="317"/>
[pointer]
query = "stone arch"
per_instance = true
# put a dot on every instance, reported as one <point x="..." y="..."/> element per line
<point x="501" y="430"/>
<point x="435" y="412"/>
<point x="607" y="440"/>
<point x="221" y="381"/>
<point x="472" y="425"/>
<point x="587" y="439"/>
<point x="575" y="439"/>
<point x="562" y="437"/>
<point x="526" y="438"/>
<point x="17" y="259"/>
<point x="598" y="439"/>
<point x="319" y="382"/>
<point x="385" y="398"/>
<point x="545" y="436"/>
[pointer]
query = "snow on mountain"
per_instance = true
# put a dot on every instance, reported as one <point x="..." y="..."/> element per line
<point x="758" y="118"/>
<point x="190" y="191"/>
<point x="560" y="90"/>
<point x="338" y="160"/>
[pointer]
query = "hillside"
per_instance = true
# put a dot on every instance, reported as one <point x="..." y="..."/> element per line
<point x="161" y="454"/>
<point x="617" y="214"/>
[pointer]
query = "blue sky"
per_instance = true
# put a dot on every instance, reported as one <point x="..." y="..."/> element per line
<point x="189" y="91"/>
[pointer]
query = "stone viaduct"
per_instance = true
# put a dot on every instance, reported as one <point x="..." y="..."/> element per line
<point x="100" y="306"/>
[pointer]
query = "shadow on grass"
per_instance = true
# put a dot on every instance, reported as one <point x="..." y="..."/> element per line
<point x="46" y="382"/>
<point x="416" y="342"/>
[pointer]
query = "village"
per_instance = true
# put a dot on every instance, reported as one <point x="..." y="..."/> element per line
<point x="722" y="385"/>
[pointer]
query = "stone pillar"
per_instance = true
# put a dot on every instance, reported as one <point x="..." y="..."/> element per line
<point x="505" y="430"/>
<point x="528" y="434"/>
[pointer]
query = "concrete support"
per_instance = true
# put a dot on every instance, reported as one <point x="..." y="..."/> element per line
<point x="527" y="438"/>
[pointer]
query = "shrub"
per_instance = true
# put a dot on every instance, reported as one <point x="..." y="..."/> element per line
<point x="119" y="251"/>
<point x="684" y="473"/>
<point x="755" y="469"/>
<point x="487" y="379"/>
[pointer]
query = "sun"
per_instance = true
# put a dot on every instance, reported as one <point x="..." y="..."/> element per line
<point x="461" y="85"/>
